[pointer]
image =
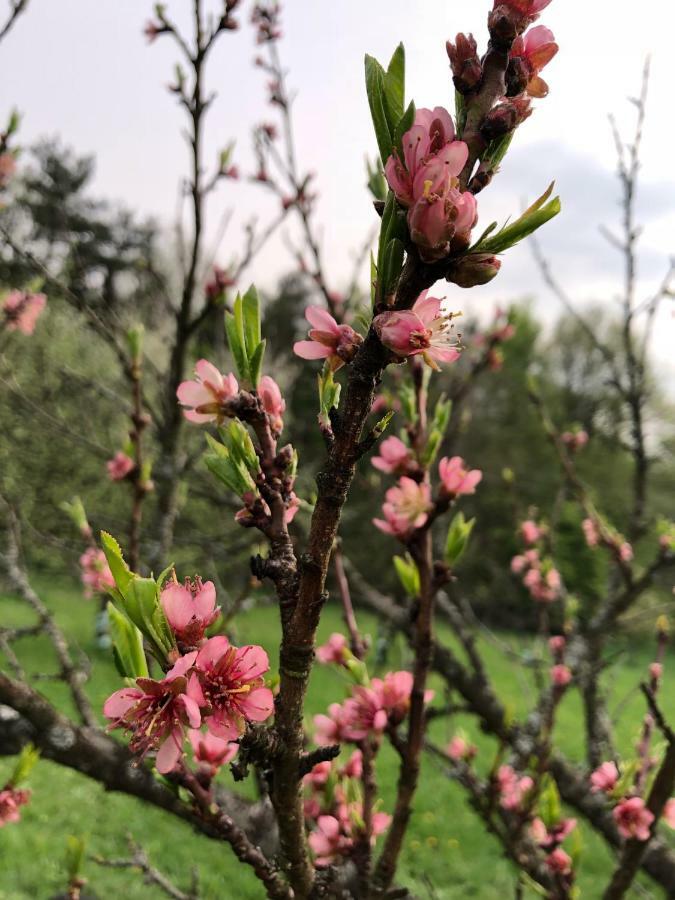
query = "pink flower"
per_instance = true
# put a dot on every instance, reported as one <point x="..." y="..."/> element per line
<point x="456" y="480"/>
<point x="7" y="169"/>
<point x="556" y="645"/>
<point x="210" y="751"/>
<point x="424" y="330"/>
<point x="95" y="572"/>
<point x="460" y="749"/>
<point x="157" y="713"/>
<point x="625" y="552"/>
<point x="560" y="676"/>
<point x="364" y="713"/>
<point x="319" y="775"/>
<point x="633" y="819"/>
<point x="406" y="507"/>
<point x="10" y="800"/>
<point x="512" y="787"/>
<point x="151" y="31"/>
<point x="518" y="564"/>
<point x="394" y="693"/>
<point x="669" y="813"/>
<point x="22" y="310"/>
<point x="232" y="685"/>
<point x="574" y="440"/>
<point x="550" y="839"/>
<point x="604" y="778"/>
<point x="531" y="53"/>
<point x="220" y="281"/>
<point x="190" y="608"/>
<point x="655" y="671"/>
<point x="543" y="588"/>
<point x="531" y="532"/>
<point x="395" y="457"/>
<point x="205" y="396"/>
<point x="119" y="466"/>
<point x="559" y="861"/>
<point x="441" y="223"/>
<point x="353" y="768"/>
<point x="591" y="532"/>
<point x="336" y="343"/>
<point x="327" y="841"/>
<point x="333" y="651"/>
<point x="332" y="728"/>
<point x="272" y="401"/>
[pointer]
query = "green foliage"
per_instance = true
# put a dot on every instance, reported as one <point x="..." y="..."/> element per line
<point x="234" y="461"/>
<point x="75" y="847"/>
<point x="329" y="394"/>
<point x="541" y="211"/>
<point x="25" y="764"/>
<point x="127" y="642"/>
<point x="408" y="574"/>
<point x="244" y="337"/>
<point x="457" y="541"/>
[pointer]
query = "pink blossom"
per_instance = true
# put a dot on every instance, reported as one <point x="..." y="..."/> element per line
<point x="669" y="813"/>
<point x="232" y="685"/>
<point x="518" y="564"/>
<point x="334" y="650"/>
<point x="426" y="182"/>
<point x="604" y="778"/>
<point x="625" y="552"/>
<point x="190" y="608"/>
<point x="157" y="713"/>
<point x="559" y="861"/>
<point x="353" y="768"/>
<point x="560" y="676"/>
<point x="655" y="671"/>
<point x="7" y="168"/>
<point x="395" y="457"/>
<point x="319" y="775"/>
<point x="406" y="508"/>
<point x="534" y="50"/>
<point x="556" y="645"/>
<point x="206" y="394"/>
<point x="95" y="572"/>
<point x="219" y="282"/>
<point x="332" y="728"/>
<point x="272" y="401"/>
<point x="591" y="532"/>
<point x="119" y="466"/>
<point x="10" y="800"/>
<point x="211" y="752"/>
<point x="336" y="343"/>
<point x="512" y="787"/>
<point x="151" y="31"/>
<point x="633" y="819"/>
<point x="364" y="713"/>
<point x="327" y="841"/>
<point x="22" y="310"/>
<point x="574" y="440"/>
<point x="460" y="749"/>
<point x="531" y="532"/>
<point x="550" y="839"/>
<point x="457" y="480"/>
<point x="527" y="8"/>
<point x="423" y="330"/>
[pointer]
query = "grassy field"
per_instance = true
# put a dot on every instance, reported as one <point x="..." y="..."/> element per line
<point x="448" y="857"/>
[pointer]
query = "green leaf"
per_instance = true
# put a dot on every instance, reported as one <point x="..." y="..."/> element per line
<point x="375" y="78"/>
<point x="24" y="765"/>
<point x="373" y="278"/>
<point x="329" y="394"/>
<point x="408" y="574"/>
<point x="127" y="645"/>
<point x="392" y="265"/>
<point x="376" y="183"/>
<point x="460" y="114"/>
<point x="234" y="328"/>
<point x="549" y="802"/>
<point x="457" y="541"/>
<point x="251" y="317"/>
<point x="255" y="363"/>
<point x="394" y="88"/>
<point x="120" y="570"/>
<point x="541" y="211"/>
<point x="74" y="856"/>
<point x="497" y="150"/>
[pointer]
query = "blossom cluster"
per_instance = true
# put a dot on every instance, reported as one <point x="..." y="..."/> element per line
<point x="22" y="309"/>
<point x="211" y="684"/>
<point x="539" y="575"/>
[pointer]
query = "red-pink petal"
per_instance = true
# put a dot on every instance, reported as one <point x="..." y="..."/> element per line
<point x="212" y="650"/>
<point x="170" y="752"/>
<point x="311" y="350"/>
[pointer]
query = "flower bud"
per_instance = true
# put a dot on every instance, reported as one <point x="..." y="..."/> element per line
<point x="505" y="117"/>
<point x="517" y="76"/>
<point x="465" y="63"/>
<point x="474" y="269"/>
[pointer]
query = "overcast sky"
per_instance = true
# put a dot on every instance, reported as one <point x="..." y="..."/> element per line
<point x="81" y="69"/>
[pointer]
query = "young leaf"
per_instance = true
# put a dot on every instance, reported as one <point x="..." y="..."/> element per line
<point x="127" y="645"/>
<point x="120" y="570"/>
<point x="255" y="363"/>
<point x="251" y="317"/>
<point x="457" y="541"/>
<point x="533" y="218"/>
<point x="408" y="574"/>
<point x="234" y="328"/>
<point x="394" y="88"/>
<point x="375" y="76"/>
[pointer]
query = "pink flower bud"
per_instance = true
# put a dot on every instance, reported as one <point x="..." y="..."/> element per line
<point x="211" y="752"/>
<point x="591" y="532"/>
<point x="505" y="117"/>
<point x="625" y="552"/>
<point x="95" y="572"/>
<point x="336" y="343"/>
<point x="560" y="676"/>
<point x="190" y="608"/>
<point x="273" y="403"/>
<point x="10" y="800"/>
<point x="529" y="55"/>
<point x="334" y="650"/>
<point x="460" y="749"/>
<point x="531" y="532"/>
<point x="557" y="645"/>
<point x="604" y="778"/>
<point x="7" y="169"/>
<point x="474" y="269"/>
<point x="656" y="671"/>
<point x="559" y="861"/>
<point x="120" y="466"/>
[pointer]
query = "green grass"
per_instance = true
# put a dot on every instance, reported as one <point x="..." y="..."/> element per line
<point x="447" y="846"/>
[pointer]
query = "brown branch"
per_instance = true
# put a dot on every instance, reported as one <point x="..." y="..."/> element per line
<point x="18" y="7"/>
<point x="151" y="875"/>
